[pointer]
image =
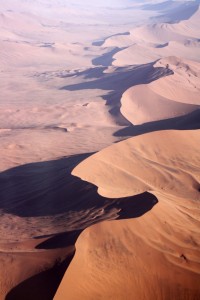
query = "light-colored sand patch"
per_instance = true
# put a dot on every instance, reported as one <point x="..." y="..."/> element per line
<point x="168" y="97"/>
<point x="184" y="85"/>
<point x="165" y="161"/>
<point x="116" y="259"/>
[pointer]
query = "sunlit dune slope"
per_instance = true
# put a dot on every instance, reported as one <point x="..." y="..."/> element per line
<point x="157" y="255"/>
<point x="168" y="97"/>
<point x="164" y="161"/>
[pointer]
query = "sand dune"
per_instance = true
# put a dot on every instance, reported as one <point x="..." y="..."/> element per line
<point x="140" y="53"/>
<point x="184" y="85"/>
<point x="164" y="32"/>
<point x="151" y="42"/>
<point x="140" y="105"/>
<point x="144" y="164"/>
<point x="115" y="260"/>
<point x="170" y="96"/>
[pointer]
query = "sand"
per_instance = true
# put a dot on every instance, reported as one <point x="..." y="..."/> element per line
<point x="154" y="41"/>
<point x="158" y="251"/>
<point x="170" y="96"/>
<point x="76" y="80"/>
<point x="152" y="257"/>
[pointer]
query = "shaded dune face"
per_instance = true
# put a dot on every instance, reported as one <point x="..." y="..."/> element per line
<point x="116" y="259"/>
<point x="171" y="96"/>
<point x="37" y="236"/>
<point x="67" y="206"/>
<point x="151" y="42"/>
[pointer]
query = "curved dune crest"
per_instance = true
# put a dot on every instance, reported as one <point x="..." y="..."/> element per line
<point x="184" y="85"/>
<point x="168" y="97"/>
<point x="143" y="258"/>
<point x="162" y="161"/>
<point x="140" y="105"/>
<point x="117" y="259"/>
<point x="164" y="32"/>
<point x="141" y="53"/>
<point x="151" y="42"/>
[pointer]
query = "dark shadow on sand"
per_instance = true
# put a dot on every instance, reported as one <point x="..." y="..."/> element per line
<point x="129" y="207"/>
<point x="48" y="188"/>
<point x="42" y="286"/>
<point x="173" y="11"/>
<point x="106" y="59"/>
<point x="117" y="83"/>
<point x="190" y="121"/>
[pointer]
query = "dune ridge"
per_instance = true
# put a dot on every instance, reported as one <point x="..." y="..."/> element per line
<point x="136" y="168"/>
<point x="123" y="256"/>
<point x="153" y="41"/>
<point x="171" y="96"/>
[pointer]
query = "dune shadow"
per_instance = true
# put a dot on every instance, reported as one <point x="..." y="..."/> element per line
<point x="120" y="80"/>
<point x="173" y="11"/>
<point x="43" y="188"/>
<point x="190" y="121"/>
<point x="127" y="208"/>
<point x="106" y="59"/>
<point x="48" y="188"/>
<point x="42" y="286"/>
<point x="116" y="83"/>
<point x="61" y="240"/>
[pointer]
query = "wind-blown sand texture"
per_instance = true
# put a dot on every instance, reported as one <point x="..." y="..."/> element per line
<point x="142" y="164"/>
<point x="159" y="251"/>
<point x="78" y="77"/>
<point x="170" y="96"/>
<point x="151" y="42"/>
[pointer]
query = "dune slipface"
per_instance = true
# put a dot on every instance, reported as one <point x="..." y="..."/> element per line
<point x="154" y="41"/>
<point x="167" y="97"/>
<point x="160" y="250"/>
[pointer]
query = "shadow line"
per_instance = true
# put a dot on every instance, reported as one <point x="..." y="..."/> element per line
<point x="44" y="188"/>
<point x="117" y="83"/>
<point x="190" y="121"/>
<point x="42" y="286"/>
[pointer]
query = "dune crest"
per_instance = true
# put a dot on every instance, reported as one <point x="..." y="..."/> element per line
<point x="184" y="85"/>
<point x="143" y="163"/>
<point x="151" y="42"/>
<point x="116" y="259"/>
<point x="168" y="97"/>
